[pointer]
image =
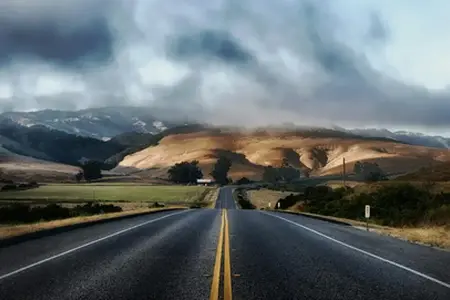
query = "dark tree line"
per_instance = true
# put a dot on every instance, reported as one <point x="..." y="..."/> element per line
<point x="369" y="171"/>
<point x="185" y="172"/>
<point x="284" y="173"/>
<point x="91" y="170"/>
<point x="188" y="172"/>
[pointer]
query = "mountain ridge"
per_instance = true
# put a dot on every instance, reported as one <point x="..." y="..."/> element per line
<point x="105" y="123"/>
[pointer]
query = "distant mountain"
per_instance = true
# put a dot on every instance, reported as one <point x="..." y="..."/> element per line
<point x="100" y="123"/>
<point x="52" y="145"/>
<point x="413" y="138"/>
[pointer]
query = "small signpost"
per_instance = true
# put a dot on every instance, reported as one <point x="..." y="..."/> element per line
<point x="269" y="204"/>
<point x="367" y="215"/>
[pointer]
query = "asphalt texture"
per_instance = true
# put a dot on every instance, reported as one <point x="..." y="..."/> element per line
<point x="170" y="255"/>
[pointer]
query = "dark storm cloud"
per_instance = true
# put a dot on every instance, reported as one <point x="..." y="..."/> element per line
<point x="47" y="41"/>
<point x="209" y="44"/>
<point x="245" y="61"/>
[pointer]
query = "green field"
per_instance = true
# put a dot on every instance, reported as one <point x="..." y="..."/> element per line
<point x="108" y="192"/>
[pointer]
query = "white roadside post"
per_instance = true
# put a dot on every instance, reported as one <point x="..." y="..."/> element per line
<point x="367" y="215"/>
<point x="269" y="204"/>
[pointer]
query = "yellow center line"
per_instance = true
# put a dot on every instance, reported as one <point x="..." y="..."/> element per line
<point x="216" y="277"/>
<point x="227" y="291"/>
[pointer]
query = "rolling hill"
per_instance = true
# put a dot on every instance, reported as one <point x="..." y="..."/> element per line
<point x="319" y="151"/>
<point x="23" y="168"/>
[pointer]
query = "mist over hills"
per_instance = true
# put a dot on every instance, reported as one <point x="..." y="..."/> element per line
<point x="108" y="122"/>
<point x="137" y="139"/>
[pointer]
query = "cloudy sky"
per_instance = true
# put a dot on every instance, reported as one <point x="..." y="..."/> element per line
<point x="353" y="63"/>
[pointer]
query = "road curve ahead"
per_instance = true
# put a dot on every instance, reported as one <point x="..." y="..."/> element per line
<point x="223" y="253"/>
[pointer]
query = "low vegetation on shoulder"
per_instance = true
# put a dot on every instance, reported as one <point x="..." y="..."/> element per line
<point x="416" y="212"/>
<point x="23" y="213"/>
<point x="392" y="205"/>
<point x="242" y="199"/>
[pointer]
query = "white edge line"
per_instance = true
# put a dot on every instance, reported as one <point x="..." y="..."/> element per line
<point x="85" y="245"/>
<point x="447" y="285"/>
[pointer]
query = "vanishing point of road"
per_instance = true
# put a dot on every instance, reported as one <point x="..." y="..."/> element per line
<point x="222" y="253"/>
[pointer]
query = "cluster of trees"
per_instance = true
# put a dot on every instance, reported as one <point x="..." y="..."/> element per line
<point x="185" y="172"/>
<point x="188" y="172"/>
<point x="392" y="205"/>
<point x="284" y="173"/>
<point x="91" y="170"/>
<point x="369" y="171"/>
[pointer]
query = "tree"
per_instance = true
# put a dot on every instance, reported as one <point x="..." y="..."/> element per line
<point x="79" y="176"/>
<point x="185" y="172"/>
<point x="220" y="170"/>
<point x="92" y="170"/>
<point x="243" y="180"/>
<point x="270" y="174"/>
<point x="284" y="173"/>
<point x="289" y="173"/>
<point x="369" y="171"/>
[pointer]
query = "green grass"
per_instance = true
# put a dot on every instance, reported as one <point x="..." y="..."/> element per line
<point x="108" y="192"/>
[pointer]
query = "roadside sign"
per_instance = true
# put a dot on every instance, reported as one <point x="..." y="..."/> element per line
<point x="367" y="211"/>
<point x="269" y="204"/>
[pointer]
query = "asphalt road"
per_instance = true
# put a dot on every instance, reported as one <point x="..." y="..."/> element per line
<point x="225" y="199"/>
<point x="173" y="255"/>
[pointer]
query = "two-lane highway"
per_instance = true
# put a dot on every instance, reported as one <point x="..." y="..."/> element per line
<point x="225" y="199"/>
<point x="169" y="257"/>
<point x="222" y="253"/>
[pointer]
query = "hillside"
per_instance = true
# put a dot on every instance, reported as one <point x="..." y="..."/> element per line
<point x="22" y="168"/>
<point x="100" y="123"/>
<point x="432" y="172"/>
<point x="43" y="143"/>
<point x="321" y="152"/>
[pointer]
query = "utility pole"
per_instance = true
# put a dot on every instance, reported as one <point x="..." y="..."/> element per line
<point x="343" y="171"/>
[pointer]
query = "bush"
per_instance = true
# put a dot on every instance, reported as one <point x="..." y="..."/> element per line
<point x="157" y="205"/>
<point x="242" y="199"/>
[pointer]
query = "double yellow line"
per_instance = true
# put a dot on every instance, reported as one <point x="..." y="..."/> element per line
<point x="223" y="243"/>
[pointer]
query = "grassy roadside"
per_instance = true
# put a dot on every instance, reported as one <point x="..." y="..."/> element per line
<point x="436" y="236"/>
<point x="132" y="199"/>
<point x="8" y="231"/>
<point x="107" y="192"/>
<point x="211" y="198"/>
